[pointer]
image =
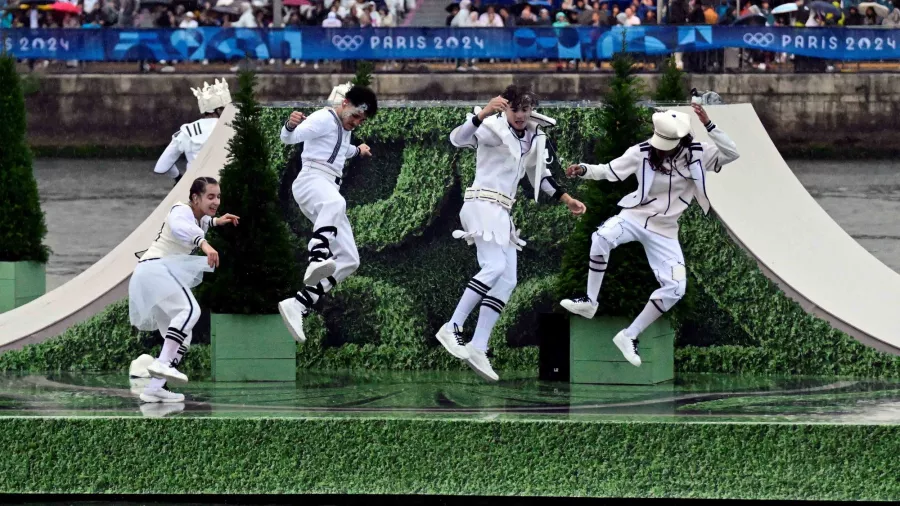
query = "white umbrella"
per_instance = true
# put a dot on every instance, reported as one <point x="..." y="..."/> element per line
<point x="785" y="8"/>
<point x="879" y="9"/>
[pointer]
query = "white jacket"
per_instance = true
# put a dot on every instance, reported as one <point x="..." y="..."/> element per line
<point x="701" y="157"/>
<point x="188" y="140"/>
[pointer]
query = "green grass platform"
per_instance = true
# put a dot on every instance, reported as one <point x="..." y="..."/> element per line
<point x="700" y="436"/>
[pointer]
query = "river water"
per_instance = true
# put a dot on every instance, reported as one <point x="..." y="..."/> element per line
<point x="92" y="205"/>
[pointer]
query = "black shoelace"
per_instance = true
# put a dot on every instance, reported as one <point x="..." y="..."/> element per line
<point x="457" y="333"/>
<point x="634" y="344"/>
<point x="582" y="299"/>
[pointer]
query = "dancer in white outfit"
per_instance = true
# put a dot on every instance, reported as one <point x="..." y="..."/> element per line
<point x="671" y="172"/>
<point x="333" y="256"/>
<point x="159" y="292"/>
<point x="190" y="138"/>
<point x="509" y="144"/>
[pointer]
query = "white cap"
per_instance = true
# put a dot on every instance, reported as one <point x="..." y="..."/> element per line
<point x="669" y="128"/>
<point x="210" y="98"/>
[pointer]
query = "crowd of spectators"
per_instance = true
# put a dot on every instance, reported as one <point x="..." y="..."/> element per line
<point x="560" y="13"/>
<point x="194" y="13"/>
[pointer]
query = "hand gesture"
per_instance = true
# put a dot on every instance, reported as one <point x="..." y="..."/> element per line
<point x="576" y="207"/>
<point x="574" y="171"/>
<point x="296" y="118"/>
<point x="212" y="256"/>
<point x="227" y="218"/>
<point x="497" y="104"/>
<point x="701" y="113"/>
<point x="364" y="150"/>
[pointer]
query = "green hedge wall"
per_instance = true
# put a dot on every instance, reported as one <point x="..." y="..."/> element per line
<point x="456" y="457"/>
<point x="404" y="204"/>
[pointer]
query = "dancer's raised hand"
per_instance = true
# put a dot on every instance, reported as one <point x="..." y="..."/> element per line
<point x="701" y="113"/>
<point x="497" y="104"/>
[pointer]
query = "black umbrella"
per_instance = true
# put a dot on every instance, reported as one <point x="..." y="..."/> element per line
<point x="36" y="2"/>
<point x="751" y="20"/>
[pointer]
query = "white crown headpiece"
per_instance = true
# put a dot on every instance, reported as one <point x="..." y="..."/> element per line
<point x="210" y="98"/>
<point x="338" y="93"/>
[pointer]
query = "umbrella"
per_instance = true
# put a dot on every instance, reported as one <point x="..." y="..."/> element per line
<point x="880" y="10"/>
<point x="234" y="10"/>
<point x="64" y="7"/>
<point x="786" y="8"/>
<point x="751" y="20"/>
<point x="825" y="8"/>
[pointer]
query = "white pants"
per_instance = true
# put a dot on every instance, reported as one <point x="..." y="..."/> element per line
<point x="497" y="277"/>
<point x="181" y="311"/>
<point x="320" y="201"/>
<point x="663" y="253"/>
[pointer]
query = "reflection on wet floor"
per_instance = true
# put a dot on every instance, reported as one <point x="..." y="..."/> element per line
<point x="690" y="398"/>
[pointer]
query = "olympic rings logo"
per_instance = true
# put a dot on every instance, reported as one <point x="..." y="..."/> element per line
<point x="347" y="42"/>
<point x="759" y="39"/>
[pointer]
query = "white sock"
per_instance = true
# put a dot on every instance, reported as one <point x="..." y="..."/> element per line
<point x="649" y="315"/>
<point x="487" y="318"/>
<point x="156" y="384"/>
<point x="471" y="296"/>
<point x="596" y="271"/>
<point x="169" y="351"/>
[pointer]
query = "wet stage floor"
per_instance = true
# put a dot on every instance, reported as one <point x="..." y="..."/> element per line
<point x="460" y="395"/>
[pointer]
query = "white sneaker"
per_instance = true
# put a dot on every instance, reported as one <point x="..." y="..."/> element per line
<point x="159" y="410"/>
<point x="582" y="306"/>
<point x="628" y="347"/>
<point x="479" y="363"/>
<point x="450" y="336"/>
<point x="292" y="312"/>
<point x="317" y="271"/>
<point x="161" y="395"/>
<point x="138" y="385"/>
<point x="159" y="370"/>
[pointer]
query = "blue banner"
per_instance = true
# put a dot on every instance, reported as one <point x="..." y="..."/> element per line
<point x="316" y="43"/>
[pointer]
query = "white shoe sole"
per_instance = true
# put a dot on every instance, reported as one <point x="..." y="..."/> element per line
<point x="584" y="313"/>
<point x="446" y="340"/>
<point x="154" y="399"/>
<point x="484" y="375"/>
<point x="168" y="377"/>
<point x="318" y="271"/>
<point x="299" y="337"/>
<point x="623" y="344"/>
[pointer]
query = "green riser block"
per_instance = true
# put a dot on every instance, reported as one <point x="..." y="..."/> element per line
<point x="255" y="369"/>
<point x="620" y="373"/>
<point x="593" y="358"/>
<point x="251" y="348"/>
<point x="21" y="283"/>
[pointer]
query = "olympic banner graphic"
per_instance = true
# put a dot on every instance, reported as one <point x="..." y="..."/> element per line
<point x="316" y="43"/>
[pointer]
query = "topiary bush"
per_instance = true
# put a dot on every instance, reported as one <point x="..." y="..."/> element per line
<point x="258" y="266"/>
<point x="22" y="227"/>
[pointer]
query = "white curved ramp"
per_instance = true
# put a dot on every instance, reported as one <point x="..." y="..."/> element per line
<point x="796" y="244"/>
<point x="107" y="280"/>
